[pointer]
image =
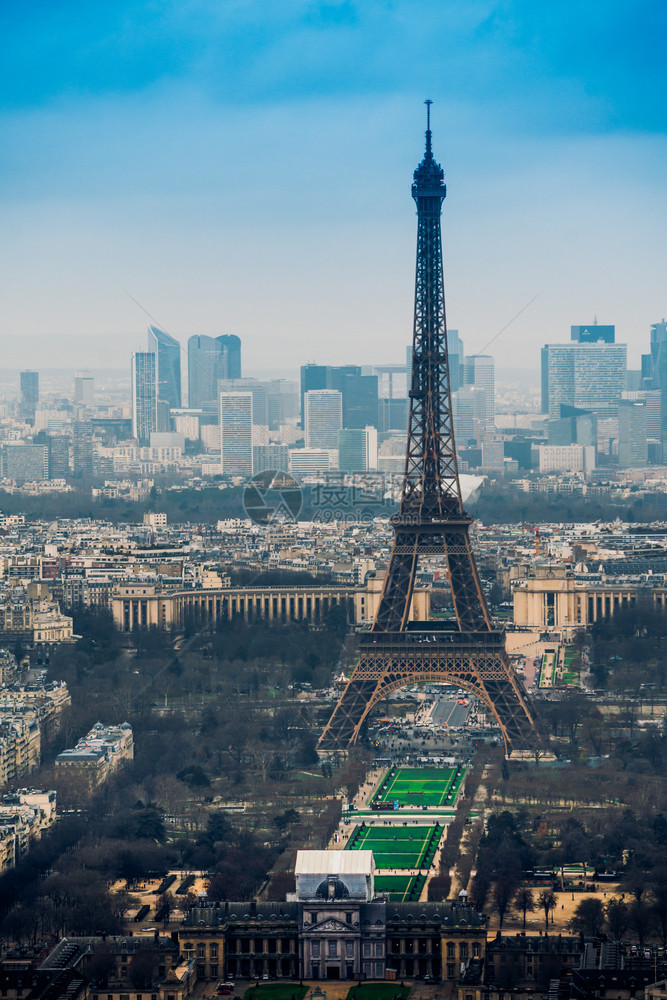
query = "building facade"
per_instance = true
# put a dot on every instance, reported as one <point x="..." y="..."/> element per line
<point x="323" y="416"/>
<point x="236" y="422"/>
<point x="589" y="376"/>
<point x="334" y="928"/>
<point x="144" y="395"/>
<point x="552" y="597"/>
<point x="209" y="360"/>
<point x="146" y="606"/>
<point x="357" y="449"/>
<point x="167" y="351"/>
<point x="29" y="386"/>
<point x="25" y="462"/>
<point x="479" y="372"/>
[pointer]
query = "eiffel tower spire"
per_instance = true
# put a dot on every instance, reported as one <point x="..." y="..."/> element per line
<point x="431" y="487"/>
<point x="431" y="518"/>
<point x="430" y="522"/>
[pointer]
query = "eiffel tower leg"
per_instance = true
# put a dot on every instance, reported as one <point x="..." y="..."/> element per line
<point x="470" y="664"/>
<point x="467" y="593"/>
<point x="394" y="607"/>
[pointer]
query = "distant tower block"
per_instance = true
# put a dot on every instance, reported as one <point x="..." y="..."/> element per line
<point x="84" y="389"/>
<point x="431" y="522"/>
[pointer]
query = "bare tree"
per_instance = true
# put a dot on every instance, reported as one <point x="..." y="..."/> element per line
<point x="524" y="902"/>
<point x="618" y="918"/>
<point x="547" y="902"/>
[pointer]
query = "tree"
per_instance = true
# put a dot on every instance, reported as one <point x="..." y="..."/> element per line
<point x="640" y="920"/>
<point x="588" y="919"/>
<point x="503" y="890"/>
<point x="141" y="969"/>
<point x="524" y="902"/>
<point x="547" y="902"/>
<point x="618" y="918"/>
<point x="438" y="888"/>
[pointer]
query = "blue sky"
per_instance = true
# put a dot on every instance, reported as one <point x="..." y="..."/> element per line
<point x="244" y="166"/>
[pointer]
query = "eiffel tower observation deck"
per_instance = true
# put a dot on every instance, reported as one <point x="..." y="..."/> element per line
<point x="431" y="521"/>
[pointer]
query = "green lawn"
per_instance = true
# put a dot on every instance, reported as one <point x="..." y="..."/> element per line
<point x="400" y="888"/>
<point x="397" y="847"/>
<point x="421" y="786"/>
<point x="276" y="991"/>
<point x="378" y="991"/>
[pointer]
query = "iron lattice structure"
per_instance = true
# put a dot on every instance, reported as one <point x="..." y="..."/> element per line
<point x="431" y="521"/>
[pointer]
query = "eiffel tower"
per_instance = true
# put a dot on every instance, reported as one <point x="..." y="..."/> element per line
<point x="431" y="521"/>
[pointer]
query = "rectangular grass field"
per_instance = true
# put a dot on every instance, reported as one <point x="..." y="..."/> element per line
<point x="397" y="847"/>
<point x="421" y="787"/>
<point x="377" y="991"/>
<point x="400" y="888"/>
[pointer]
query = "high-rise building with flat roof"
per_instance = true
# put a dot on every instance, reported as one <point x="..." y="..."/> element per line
<point x="632" y="435"/>
<point x="270" y="457"/>
<point x="480" y="373"/>
<point x="323" y="416"/>
<point x="209" y="360"/>
<point x="84" y="389"/>
<point x="25" y="462"/>
<point x="144" y="395"/>
<point x="82" y="448"/>
<point x="29" y="382"/>
<point x="168" y="352"/>
<point x="236" y="420"/>
<point x="358" y="393"/>
<point x="589" y="376"/>
<point x="469" y="412"/>
<point x="357" y="449"/>
<point x="360" y="401"/>
<point x="456" y="357"/>
<point x="309" y="461"/>
<point x="654" y="373"/>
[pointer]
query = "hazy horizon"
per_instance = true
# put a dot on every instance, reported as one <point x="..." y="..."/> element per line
<point x="246" y="169"/>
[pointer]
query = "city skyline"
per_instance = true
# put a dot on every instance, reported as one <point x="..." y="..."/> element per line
<point x="137" y="146"/>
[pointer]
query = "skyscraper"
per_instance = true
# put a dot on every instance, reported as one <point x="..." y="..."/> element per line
<point x="360" y="401"/>
<point x="469" y="410"/>
<point x="144" y="395"/>
<point x="632" y="436"/>
<point x="589" y="376"/>
<point x="209" y="360"/>
<point x="654" y="373"/>
<point x="168" y="352"/>
<point x="84" y="389"/>
<point x="357" y="449"/>
<point x="24" y="462"/>
<point x="480" y="373"/>
<point x="456" y="355"/>
<point x="260" y="396"/>
<point x="29" y="381"/>
<point x="236" y="433"/>
<point x="323" y="413"/>
<point x="82" y="448"/>
<point x="357" y="394"/>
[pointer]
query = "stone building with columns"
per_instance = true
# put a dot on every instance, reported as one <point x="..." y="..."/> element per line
<point x="554" y="597"/>
<point x="147" y="605"/>
<point x="335" y="926"/>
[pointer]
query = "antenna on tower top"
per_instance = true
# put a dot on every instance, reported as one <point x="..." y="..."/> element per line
<point x="428" y="102"/>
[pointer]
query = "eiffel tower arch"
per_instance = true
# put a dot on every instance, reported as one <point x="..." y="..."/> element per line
<point x="431" y="521"/>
